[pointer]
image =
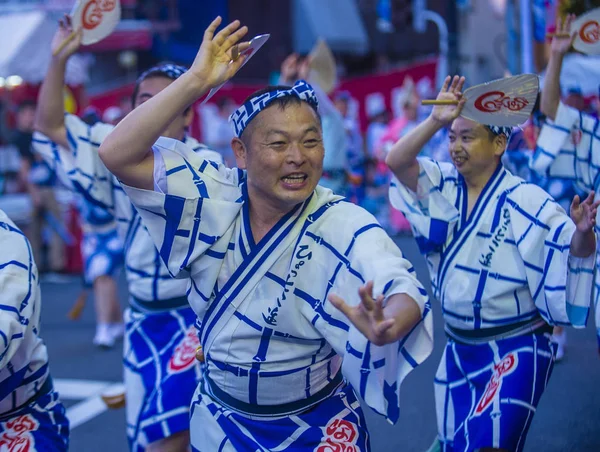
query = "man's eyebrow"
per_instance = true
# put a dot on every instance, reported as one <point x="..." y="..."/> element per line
<point x="276" y="132"/>
<point x="311" y="129"/>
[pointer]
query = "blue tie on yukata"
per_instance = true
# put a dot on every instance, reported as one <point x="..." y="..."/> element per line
<point x="264" y="365"/>
<point x="160" y="339"/>
<point x="483" y="375"/>
<point x="31" y="416"/>
<point x="569" y="148"/>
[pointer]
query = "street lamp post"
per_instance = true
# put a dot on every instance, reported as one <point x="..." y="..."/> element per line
<point x="420" y="18"/>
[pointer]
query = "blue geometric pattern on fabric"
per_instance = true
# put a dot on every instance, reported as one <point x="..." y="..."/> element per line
<point x="500" y="130"/>
<point x="23" y="355"/>
<point x="40" y="426"/>
<point x="147" y="277"/>
<point x="102" y="254"/>
<point x="292" y="342"/>
<point x="246" y="113"/>
<point x="486" y="395"/>
<point x="169" y="70"/>
<point x="161" y="371"/>
<point x="335" y="424"/>
<point x="512" y="221"/>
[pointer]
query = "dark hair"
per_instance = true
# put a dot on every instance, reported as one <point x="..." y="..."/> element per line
<point x="223" y="101"/>
<point x="537" y="117"/>
<point x="165" y="70"/>
<point x="28" y="103"/>
<point x="281" y="102"/>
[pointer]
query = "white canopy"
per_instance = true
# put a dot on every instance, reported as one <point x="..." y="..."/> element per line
<point x="25" y="39"/>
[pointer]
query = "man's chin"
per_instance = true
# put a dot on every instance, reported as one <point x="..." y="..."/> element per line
<point x="293" y="197"/>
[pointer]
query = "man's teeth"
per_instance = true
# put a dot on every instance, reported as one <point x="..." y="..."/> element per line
<point x="294" y="178"/>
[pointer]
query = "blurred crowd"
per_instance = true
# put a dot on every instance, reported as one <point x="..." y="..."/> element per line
<point x="354" y="165"/>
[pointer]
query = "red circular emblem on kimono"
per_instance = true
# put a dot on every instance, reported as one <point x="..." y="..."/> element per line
<point x="184" y="355"/>
<point x="590" y="32"/>
<point x="17" y="436"/>
<point x="503" y="368"/>
<point x="341" y="436"/>
<point x="93" y="11"/>
<point x="495" y="101"/>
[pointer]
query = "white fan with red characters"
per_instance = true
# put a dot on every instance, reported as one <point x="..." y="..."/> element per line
<point x="506" y="102"/>
<point x="587" y="26"/>
<point x="96" y="18"/>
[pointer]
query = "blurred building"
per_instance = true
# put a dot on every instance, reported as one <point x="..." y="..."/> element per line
<point x="482" y="42"/>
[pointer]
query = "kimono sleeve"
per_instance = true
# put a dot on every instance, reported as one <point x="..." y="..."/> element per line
<point x="568" y="148"/>
<point x="193" y="210"/>
<point x="376" y="372"/>
<point x="561" y="285"/>
<point x="53" y="155"/>
<point x="83" y="165"/>
<point x="19" y="291"/>
<point x="431" y="210"/>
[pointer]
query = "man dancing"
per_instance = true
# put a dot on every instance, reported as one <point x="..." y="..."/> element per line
<point x="568" y="146"/>
<point x="506" y="262"/>
<point x="269" y="256"/>
<point x="31" y="414"/>
<point x="160" y="371"/>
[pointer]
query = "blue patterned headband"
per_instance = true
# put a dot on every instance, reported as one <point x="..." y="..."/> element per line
<point x="172" y="71"/>
<point x="498" y="130"/>
<point x="247" y="112"/>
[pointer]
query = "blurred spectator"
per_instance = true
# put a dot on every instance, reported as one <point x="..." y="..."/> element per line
<point x="574" y="98"/>
<point x="37" y="176"/>
<point x="216" y="129"/>
<point x="112" y="115"/>
<point x="10" y="160"/>
<point x="346" y="106"/>
<point x="378" y="122"/>
<point x="376" y="197"/>
<point x="91" y="115"/>
<point x="125" y="105"/>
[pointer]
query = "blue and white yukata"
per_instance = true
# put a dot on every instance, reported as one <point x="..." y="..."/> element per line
<point x="160" y="369"/>
<point x="282" y="364"/>
<point x="569" y="148"/>
<point x="101" y="246"/>
<point x="503" y="274"/>
<point x="31" y="416"/>
<point x="561" y="190"/>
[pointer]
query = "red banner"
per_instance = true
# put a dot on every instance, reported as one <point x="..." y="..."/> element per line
<point x="383" y="85"/>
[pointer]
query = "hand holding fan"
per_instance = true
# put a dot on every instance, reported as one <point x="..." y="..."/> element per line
<point x="504" y="102"/>
<point x="587" y="33"/>
<point x="96" y="18"/>
<point x="255" y="44"/>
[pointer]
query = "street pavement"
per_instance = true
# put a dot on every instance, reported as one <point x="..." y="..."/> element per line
<point x="567" y="420"/>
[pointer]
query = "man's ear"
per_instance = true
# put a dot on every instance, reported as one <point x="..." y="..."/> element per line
<point x="500" y="142"/>
<point x="240" y="152"/>
<point x="188" y="117"/>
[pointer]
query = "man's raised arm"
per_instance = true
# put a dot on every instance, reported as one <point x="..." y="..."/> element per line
<point x="127" y="151"/>
<point x="559" y="47"/>
<point x="49" y="118"/>
<point x="402" y="158"/>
